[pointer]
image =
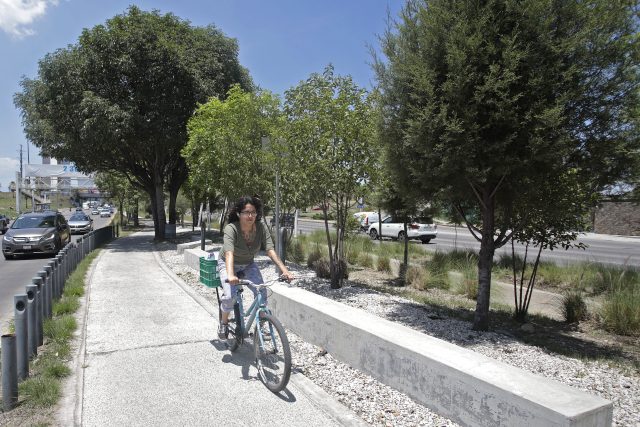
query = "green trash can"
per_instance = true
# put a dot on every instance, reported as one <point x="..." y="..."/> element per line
<point x="209" y="273"/>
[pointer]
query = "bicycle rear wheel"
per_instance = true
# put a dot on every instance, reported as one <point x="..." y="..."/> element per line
<point x="273" y="355"/>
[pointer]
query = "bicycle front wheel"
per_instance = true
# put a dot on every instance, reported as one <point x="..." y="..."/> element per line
<point x="236" y="331"/>
<point x="272" y="352"/>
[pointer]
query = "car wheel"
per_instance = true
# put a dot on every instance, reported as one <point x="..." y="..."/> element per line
<point x="373" y="233"/>
<point x="426" y="240"/>
<point x="401" y="236"/>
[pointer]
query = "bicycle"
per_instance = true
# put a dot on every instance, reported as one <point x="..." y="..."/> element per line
<point x="270" y="343"/>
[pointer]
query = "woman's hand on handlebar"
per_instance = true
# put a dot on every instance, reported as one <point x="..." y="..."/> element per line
<point x="233" y="280"/>
<point x="288" y="277"/>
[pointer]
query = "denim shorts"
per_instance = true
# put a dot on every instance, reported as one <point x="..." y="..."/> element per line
<point x="229" y="292"/>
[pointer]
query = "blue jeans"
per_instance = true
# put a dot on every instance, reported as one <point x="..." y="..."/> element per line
<point x="229" y="292"/>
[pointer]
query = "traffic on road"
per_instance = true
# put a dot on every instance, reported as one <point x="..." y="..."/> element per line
<point x="17" y="271"/>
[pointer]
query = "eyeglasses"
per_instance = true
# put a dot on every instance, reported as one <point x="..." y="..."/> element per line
<point x="249" y="213"/>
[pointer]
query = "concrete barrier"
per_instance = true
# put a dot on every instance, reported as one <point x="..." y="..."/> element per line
<point x="465" y="386"/>
<point x="190" y="245"/>
<point x="460" y="384"/>
<point x="192" y="256"/>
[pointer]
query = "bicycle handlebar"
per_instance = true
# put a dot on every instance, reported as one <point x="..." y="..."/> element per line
<point x="247" y="282"/>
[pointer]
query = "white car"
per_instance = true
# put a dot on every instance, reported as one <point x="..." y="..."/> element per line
<point x="366" y="219"/>
<point x="422" y="229"/>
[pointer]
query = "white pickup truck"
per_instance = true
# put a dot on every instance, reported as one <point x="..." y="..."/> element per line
<point x="422" y="229"/>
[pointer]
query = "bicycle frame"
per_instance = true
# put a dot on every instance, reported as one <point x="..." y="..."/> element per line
<point x="252" y="312"/>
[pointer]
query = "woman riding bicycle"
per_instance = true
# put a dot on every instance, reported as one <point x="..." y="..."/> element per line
<point x="244" y="236"/>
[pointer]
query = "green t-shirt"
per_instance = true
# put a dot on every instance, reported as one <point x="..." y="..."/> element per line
<point x="244" y="252"/>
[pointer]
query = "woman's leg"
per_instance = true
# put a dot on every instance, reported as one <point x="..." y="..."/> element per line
<point x="252" y="272"/>
<point x="229" y="292"/>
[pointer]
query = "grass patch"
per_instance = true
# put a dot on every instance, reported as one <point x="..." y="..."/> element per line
<point x="384" y="264"/>
<point x="621" y="311"/>
<point x="66" y="305"/>
<point x="40" y="391"/>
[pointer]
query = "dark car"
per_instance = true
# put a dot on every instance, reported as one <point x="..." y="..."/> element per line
<point x="36" y="232"/>
<point x="4" y="224"/>
<point x="80" y="223"/>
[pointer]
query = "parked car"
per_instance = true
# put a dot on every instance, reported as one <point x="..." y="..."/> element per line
<point x="366" y="219"/>
<point x="36" y="232"/>
<point x="420" y="228"/>
<point x="4" y="223"/>
<point x="80" y="223"/>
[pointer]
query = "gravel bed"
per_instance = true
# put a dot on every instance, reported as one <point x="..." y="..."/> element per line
<point x="380" y="405"/>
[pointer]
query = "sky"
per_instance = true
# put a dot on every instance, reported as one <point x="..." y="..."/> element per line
<point x="281" y="43"/>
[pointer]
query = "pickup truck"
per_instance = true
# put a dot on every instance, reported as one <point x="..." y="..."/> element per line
<point x="422" y="229"/>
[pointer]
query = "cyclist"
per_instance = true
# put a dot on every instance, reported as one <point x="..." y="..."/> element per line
<point x="244" y="236"/>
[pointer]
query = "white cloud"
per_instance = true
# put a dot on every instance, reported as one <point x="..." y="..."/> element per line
<point x="16" y="16"/>
<point x="8" y="168"/>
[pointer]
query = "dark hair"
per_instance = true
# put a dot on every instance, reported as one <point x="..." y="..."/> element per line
<point x="234" y="213"/>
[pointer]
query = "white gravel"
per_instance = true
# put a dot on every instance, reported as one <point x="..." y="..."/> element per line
<point x="380" y="405"/>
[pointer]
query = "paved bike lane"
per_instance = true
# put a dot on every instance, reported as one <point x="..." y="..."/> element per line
<point x="148" y="355"/>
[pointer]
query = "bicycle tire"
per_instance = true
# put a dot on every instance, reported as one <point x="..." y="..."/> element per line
<point x="274" y="359"/>
<point x="235" y="342"/>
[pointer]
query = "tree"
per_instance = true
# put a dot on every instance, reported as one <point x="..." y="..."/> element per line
<point x="119" y="99"/>
<point x="486" y="99"/>
<point x="330" y="129"/>
<point x="225" y="152"/>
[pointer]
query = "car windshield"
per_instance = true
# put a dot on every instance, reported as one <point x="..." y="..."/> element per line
<point x="34" y="222"/>
<point x="79" y="218"/>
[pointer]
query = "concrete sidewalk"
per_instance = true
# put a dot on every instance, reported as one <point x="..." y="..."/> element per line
<point x="148" y="354"/>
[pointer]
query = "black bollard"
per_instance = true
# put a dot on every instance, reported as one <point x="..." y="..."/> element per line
<point x="9" y="372"/>
<point x="39" y="309"/>
<point x="48" y="294"/>
<point x="32" y="305"/>
<point x="20" y="320"/>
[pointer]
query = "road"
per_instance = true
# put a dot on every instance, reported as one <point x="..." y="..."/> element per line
<point x="17" y="273"/>
<point x="602" y="248"/>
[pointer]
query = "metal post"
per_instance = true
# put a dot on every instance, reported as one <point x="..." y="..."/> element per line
<point x="20" y="320"/>
<point x="39" y="309"/>
<point x="47" y="294"/>
<point x="49" y="270"/>
<point x="9" y="372"/>
<point x="32" y="306"/>
<point x="55" y="274"/>
<point x="61" y="277"/>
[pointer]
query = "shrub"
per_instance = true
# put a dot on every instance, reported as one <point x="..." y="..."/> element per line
<point x="296" y="251"/>
<point x="365" y="260"/>
<point x="574" y="308"/>
<point x="313" y="257"/>
<point x="384" y="264"/>
<point x="620" y="311"/>
<point x="322" y="268"/>
<point x="417" y="278"/>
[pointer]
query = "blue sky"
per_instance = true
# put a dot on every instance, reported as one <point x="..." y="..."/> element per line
<point x="281" y="42"/>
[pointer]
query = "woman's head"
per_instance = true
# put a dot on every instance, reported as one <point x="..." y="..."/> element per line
<point x="247" y="206"/>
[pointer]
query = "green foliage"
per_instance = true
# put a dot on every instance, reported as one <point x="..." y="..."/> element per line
<point x="225" y="149"/>
<point x="330" y="126"/>
<point x="574" y="308"/>
<point x="489" y="103"/>
<point x="384" y="264"/>
<point x="417" y="278"/>
<point x="295" y="251"/>
<point x="621" y="310"/>
<point x="66" y="305"/>
<point x="60" y="329"/>
<point x="365" y="260"/>
<point x="120" y="97"/>
<point x="42" y="391"/>
<point x="313" y="257"/>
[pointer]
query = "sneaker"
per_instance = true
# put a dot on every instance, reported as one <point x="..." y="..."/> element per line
<point x="223" y="331"/>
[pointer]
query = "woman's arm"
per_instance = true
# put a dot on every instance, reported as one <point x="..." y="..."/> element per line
<point x="283" y="269"/>
<point x="231" y="274"/>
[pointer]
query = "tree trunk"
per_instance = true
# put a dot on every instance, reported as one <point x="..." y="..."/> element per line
<point x="158" y="203"/>
<point x="405" y="265"/>
<point x="485" y="264"/>
<point x="173" y="196"/>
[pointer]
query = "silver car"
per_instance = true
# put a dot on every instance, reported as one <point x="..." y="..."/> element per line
<point x="36" y="232"/>
<point x="80" y="223"/>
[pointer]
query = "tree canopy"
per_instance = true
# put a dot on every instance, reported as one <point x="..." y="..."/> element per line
<point x="486" y="101"/>
<point x="119" y="99"/>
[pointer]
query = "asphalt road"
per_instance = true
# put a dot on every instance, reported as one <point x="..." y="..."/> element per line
<point x="15" y="274"/>
<point x="602" y="248"/>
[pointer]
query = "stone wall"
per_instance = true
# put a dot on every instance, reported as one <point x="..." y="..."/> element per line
<point x="618" y="217"/>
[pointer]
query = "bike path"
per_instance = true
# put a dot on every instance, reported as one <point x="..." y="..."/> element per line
<point x="148" y="355"/>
